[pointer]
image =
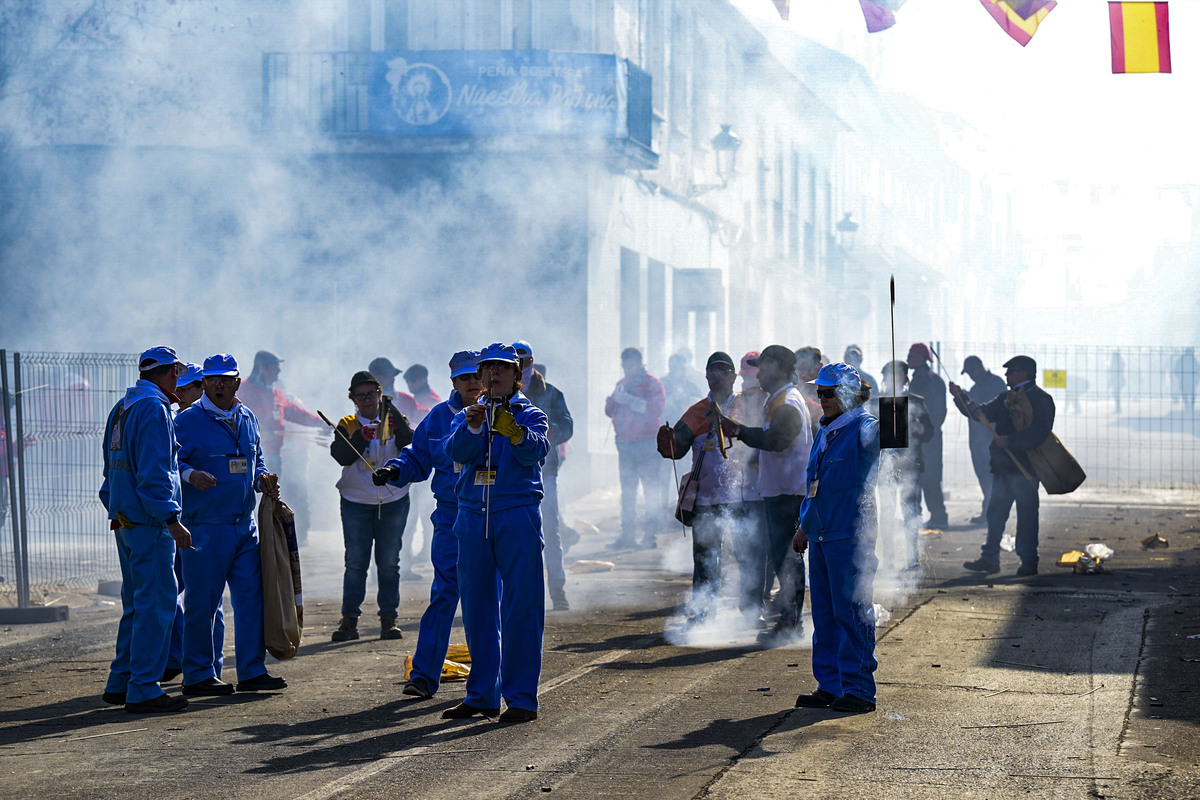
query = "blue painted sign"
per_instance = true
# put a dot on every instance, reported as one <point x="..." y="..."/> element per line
<point x="469" y="93"/>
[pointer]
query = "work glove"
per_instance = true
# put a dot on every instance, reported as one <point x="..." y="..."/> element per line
<point x="505" y="424"/>
<point x="730" y="428"/>
<point x="665" y="441"/>
<point x="385" y="475"/>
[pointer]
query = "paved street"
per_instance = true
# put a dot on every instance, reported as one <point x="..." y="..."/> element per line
<point x="1061" y="685"/>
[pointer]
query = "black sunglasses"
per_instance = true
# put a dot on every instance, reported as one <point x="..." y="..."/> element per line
<point x="827" y="392"/>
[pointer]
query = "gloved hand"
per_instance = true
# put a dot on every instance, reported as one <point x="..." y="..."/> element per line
<point x="665" y="441"/>
<point x="730" y="428"/>
<point x="505" y="424"/>
<point x="383" y="475"/>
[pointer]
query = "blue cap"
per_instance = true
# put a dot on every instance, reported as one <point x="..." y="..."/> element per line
<point x="191" y="373"/>
<point x="523" y="349"/>
<point x="157" y="357"/>
<point x="498" y="351"/>
<point x="464" y="362"/>
<point x="220" y="364"/>
<point x="839" y="374"/>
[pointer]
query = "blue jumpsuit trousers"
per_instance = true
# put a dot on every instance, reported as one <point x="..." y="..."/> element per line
<point x="148" y="597"/>
<point x="841" y="573"/>
<point x="502" y="586"/>
<point x="433" y="637"/>
<point x="225" y="553"/>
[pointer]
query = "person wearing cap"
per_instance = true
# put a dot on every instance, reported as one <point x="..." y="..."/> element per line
<point x="549" y="399"/>
<point x="837" y="525"/>
<point x="719" y="472"/>
<point x="373" y="516"/>
<point x="500" y="441"/>
<point x="926" y="383"/>
<point x="1009" y="485"/>
<point x="272" y="407"/>
<point x="188" y="390"/>
<point x="221" y="464"/>
<point x="385" y="372"/>
<point x="987" y="386"/>
<point x="636" y="410"/>
<point x="854" y="357"/>
<point x="142" y="496"/>
<point x="421" y="458"/>
<point x="783" y="442"/>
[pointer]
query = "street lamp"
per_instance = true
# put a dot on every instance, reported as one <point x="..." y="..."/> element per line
<point x="846" y="229"/>
<point x="725" y="145"/>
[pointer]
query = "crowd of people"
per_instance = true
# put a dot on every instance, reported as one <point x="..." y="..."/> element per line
<point x="785" y="467"/>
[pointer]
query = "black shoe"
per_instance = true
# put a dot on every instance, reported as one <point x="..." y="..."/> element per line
<point x="464" y="711"/>
<point x="818" y="699"/>
<point x="850" y="704"/>
<point x="982" y="518"/>
<point x="982" y="565"/>
<point x="388" y="629"/>
<point x="113" y="698"/>
<point x="623" y="543"/>
<point x="570" y="537"/>
<point x="209" y="687"/>
<point x="170" y="674"/>
<point x="161" y="704"/>
<point x="518" y="715"/>
<point x="262" y="683"/>
<point x="649" y="543"/>
<point x="347" y="630"/>
<point x="1026" y="569"/>
<point x="940" y="522"/>
<point x="416" y="687"/>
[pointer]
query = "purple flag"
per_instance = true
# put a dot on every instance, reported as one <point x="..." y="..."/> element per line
<point x="878" y="17"/>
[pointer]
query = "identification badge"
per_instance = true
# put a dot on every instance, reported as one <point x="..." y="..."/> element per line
<point x="238" y="466"/>
<point x="812" y="489"/>
<point x="710" y="445"/>
<point x="457" y="467"/>
<point x="485" y="477"/>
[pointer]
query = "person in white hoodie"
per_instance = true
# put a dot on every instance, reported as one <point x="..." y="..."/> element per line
<point x="372" y="516"/>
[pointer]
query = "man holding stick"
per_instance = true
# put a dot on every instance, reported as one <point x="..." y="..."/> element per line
<point x="1013" y="478"/>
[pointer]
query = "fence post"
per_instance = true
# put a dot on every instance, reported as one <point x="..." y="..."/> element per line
<point x="10" y="469"/>
<point x="25" y="612"/>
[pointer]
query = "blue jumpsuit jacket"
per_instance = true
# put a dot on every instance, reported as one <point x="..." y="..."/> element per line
<point x="141" y="484"/>
<point x="839" y="517"/>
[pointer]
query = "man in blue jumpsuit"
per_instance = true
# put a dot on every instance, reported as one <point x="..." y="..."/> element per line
<point x="500" y="443"/>
<point x="141" y="494"/>
<point x="838" y="520"/>
<point x="426" y="454"/>
<point x="221" y="465"/>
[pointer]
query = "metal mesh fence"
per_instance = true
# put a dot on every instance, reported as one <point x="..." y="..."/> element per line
<point x="1127" y="414"/>
<point x="61" y="403"/>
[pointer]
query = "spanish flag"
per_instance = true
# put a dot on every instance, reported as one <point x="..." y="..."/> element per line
<point x="1141" y="39"/>
<point x="1019" y="18"/>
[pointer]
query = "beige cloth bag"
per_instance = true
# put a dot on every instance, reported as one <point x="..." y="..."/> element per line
<point x="283" y="601"/>
<point x="1052" y="462"/>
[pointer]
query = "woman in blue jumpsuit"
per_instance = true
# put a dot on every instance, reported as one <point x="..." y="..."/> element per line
<point x="500" y="442"/>
<point x="837" y="524"/>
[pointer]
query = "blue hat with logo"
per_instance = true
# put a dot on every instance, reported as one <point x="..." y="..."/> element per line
<point x="191" y="373"/>
<point x="220" y="364"/>
<point x="839" y="374"/>
<point x="523" y="349"/>
<point x="498" y="351"/>
<point x="464" y="362"/>
<point x="157" y="357"/>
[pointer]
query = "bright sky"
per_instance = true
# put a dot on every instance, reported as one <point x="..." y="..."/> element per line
<point x="1055" y="104"/>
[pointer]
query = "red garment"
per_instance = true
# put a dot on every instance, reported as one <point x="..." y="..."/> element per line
<point x="425" y="401"/>
<point x="271" y="406"/>
<point x="407" y="405"/>
<point x="637" y="426"/>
